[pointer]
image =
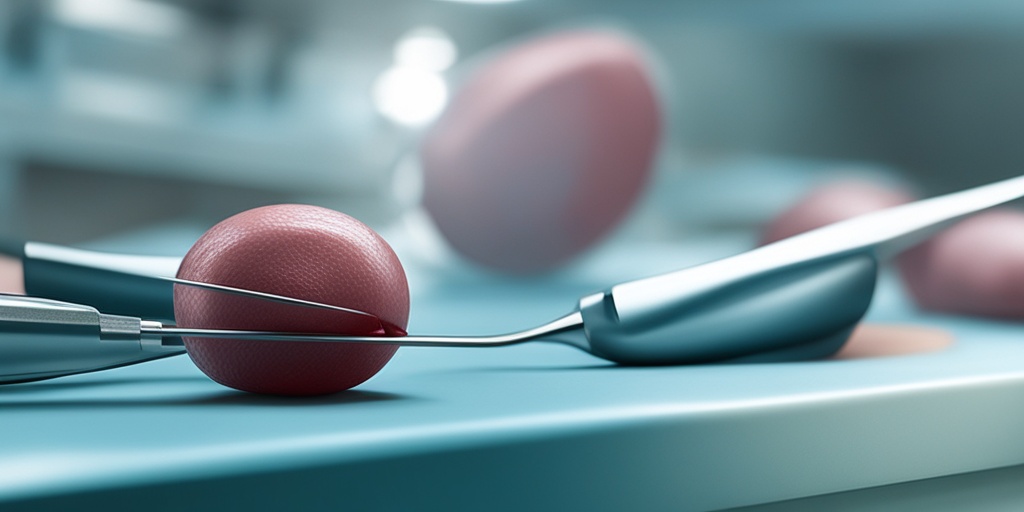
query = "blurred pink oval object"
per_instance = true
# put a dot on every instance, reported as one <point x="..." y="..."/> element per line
<point x="831" y="203"/>
<point x="975" y="267"/>
<point x="543" y="150"/>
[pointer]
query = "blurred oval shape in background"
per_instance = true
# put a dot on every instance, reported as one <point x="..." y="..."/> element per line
<point x="830" y="203"/>
<point x="543" y="150"/>
<point x="975" y="267"/>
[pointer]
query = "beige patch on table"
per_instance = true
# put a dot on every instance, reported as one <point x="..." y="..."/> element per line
<point x="12" y="276"/>
<point x="887" y="340"/>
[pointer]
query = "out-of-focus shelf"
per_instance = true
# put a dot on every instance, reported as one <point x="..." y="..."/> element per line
<point x="223" y="151"/>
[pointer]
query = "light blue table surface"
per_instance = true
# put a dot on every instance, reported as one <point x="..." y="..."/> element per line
<point x="536" y="426"/>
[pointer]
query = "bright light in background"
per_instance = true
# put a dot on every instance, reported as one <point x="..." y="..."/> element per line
<point x="412" y="91"/>
<point x="137" y="17"/>
<point x="410" y="96"/>
<point x="426" y="48"/>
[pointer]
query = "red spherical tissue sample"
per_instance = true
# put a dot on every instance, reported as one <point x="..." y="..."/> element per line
<point x="300" y="251"/>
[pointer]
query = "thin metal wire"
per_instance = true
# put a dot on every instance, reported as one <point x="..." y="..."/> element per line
<point x="283" y="299"/>
<point x="570" y="322"/>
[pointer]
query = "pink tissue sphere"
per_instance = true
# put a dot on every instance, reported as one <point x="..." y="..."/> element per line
<point x="832" y="202"/>
<point x="542" y="151"/>
<point x="300" y="251"/>
<point x="974" y="267"/>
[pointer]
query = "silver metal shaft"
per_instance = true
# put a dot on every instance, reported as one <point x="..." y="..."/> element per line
<point x="567" y="329"/>
<point x="894" y="229"/>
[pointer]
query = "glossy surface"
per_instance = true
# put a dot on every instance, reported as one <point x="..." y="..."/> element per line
<point x="797" y="311"/>
<point x="300" y="251"/>
<point x="542" y="151"/>
<point x="798" y="297"/>
<point x="42" y="339"/>
<point x="975" y="267"/>
<point x="832" y="202"/>
<point x="113" y="283"/>
<point x="465" y="429"/>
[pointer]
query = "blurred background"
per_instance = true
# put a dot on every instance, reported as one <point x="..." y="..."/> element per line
<point x="146" y="116"/>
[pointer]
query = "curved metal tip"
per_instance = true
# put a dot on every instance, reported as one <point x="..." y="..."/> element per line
<point x="567" y="330"/>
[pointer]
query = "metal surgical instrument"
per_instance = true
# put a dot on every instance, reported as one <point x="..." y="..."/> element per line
<point x="794" y="299"/>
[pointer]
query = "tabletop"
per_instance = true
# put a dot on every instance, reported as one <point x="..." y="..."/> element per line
<point x="535" y="426"/>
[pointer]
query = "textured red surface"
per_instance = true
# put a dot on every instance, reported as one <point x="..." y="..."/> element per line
<point x="542" y="151"/>
<point x="300" y="251"/>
